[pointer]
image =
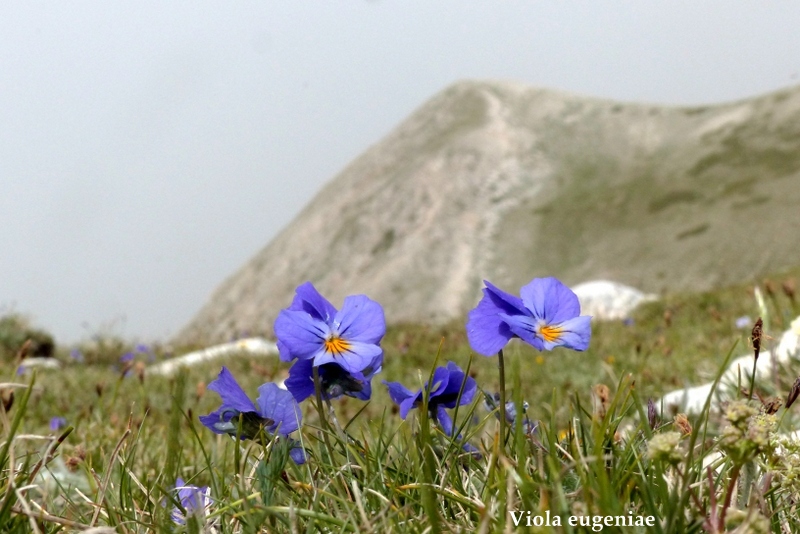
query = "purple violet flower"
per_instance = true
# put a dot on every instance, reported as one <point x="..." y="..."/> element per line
<point x="195" y="500"/>
<point x="547" y="316"/>
<point x="312" y="329"/>
<point x="275" y="411"/>
<point x="76" y="355"/>
<point x="127" y="357"/>
<point x="57" y="423"/>
<point x="335" y="380"/>
<point x="444" y="394"/>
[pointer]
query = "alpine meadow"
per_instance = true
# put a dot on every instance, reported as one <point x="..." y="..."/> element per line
<point x="414" y="353"/>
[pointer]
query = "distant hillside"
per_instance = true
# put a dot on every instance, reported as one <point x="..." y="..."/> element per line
<point x="507" y="182"/>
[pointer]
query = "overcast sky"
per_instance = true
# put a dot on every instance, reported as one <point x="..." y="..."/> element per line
<point x="147" y="152"/>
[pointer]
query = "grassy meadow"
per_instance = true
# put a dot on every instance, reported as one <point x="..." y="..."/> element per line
<point x="128" y="436"/>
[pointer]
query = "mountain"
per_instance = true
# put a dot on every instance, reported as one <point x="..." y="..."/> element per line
<point x="505" y="182"/>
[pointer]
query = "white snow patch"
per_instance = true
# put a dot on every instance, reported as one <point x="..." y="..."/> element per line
<point x="256" y="346"/>
<point x="607" y="300"/>
<point x="691" y="400"/>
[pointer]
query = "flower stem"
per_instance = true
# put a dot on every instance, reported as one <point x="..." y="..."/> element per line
<point x="323" y="421"/>
<point x="502" y="368"/>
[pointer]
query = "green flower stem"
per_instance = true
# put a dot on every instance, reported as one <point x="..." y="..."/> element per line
<point x="323" y="421"/>
<point x="502" y="368"/>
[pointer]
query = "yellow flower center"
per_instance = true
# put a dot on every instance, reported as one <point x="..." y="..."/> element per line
<point x="336" y="345"/>
<point x="550" y="333"/>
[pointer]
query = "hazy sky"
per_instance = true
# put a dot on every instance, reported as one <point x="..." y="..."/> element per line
<point x="147" y="152"/>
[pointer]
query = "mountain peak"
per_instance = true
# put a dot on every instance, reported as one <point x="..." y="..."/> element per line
<point x="500" y="181"/>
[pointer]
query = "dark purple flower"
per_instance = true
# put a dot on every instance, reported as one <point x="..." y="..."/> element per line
<point x="57" y="423"/>
<point x="312" y="329"/>
<point x="445" y="389"/>
<point x="195" y="500"/>
<point x="335" y="380"/>
<point x="275" y="411"/>
<point x="547" y="316"/>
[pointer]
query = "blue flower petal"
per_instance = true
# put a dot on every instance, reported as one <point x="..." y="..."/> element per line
<point x="309" y="300"/>
<point x="366" y="391"/>
<point x="470" y="386"/>
<point x="398" y="392"/>
<point x="439" y="382"/>
<point x="403" y="397"/>
<point x="216" y="421"/>
<point x="451" y="386"/>
<point x="473" y="450"/>
<point x="524" y="327"/>
<point x="576" y="333"/>
<point x="284" y="352"/>
<point x="375" y="367"/>
<point x="193" y="499"/>
<point x="336" y="381"/>
<point x="300" y="335"/>
<point x="358" y="357"/>
<point x="505" y="301"/>
<point x="57" y="423"/>
<point x="233" y="397"/>
<point x="550" y="318"/>
<point x="445" y="386"/>
<point x="311" y="327"/>
<point x="444" y="420"/>
<point x="449" y="394"/>
<point x="486" y="331"/>
<point x="360" y="319"/>
<point x="301" y="380"/>
<point x="279" y="405"/>
<point x="298" y="455"/>
<point x="550" y="300"/>
<point x="409" y="404"/>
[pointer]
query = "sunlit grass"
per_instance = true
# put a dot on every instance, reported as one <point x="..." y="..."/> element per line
<point x="132" y="435"/>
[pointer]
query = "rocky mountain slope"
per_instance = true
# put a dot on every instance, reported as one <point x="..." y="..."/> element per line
<point x="507" y="182"/>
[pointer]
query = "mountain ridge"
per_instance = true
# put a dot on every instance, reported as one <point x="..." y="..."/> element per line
<point x="501" y="181"/>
